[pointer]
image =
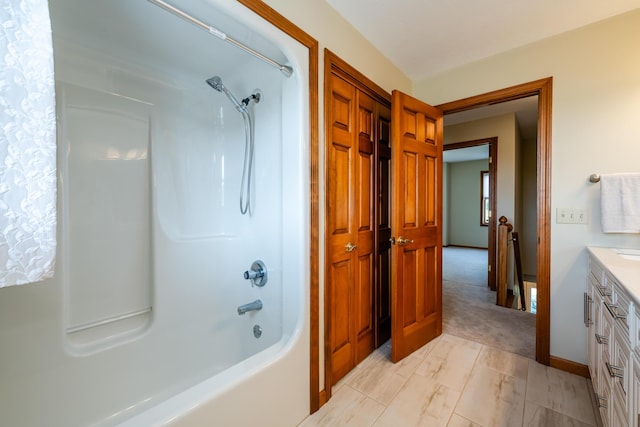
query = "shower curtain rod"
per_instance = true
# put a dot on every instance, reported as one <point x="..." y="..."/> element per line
<point x="284" y="69"/>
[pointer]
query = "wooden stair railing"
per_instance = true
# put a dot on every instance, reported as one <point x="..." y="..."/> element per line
<point x="504" y="296"/>
<point x="503" y="256"/>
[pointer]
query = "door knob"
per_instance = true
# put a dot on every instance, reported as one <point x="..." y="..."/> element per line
<point x="350" y="247"/>
<point x="402" y="241"/>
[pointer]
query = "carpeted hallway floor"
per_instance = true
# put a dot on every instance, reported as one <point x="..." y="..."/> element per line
<point x="469" y="309"/>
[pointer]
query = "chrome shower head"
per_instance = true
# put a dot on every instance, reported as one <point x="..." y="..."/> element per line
<point x="216" y="83"/>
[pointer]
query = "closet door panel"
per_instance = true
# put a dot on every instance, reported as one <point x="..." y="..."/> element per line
<point x="364" y="183"/>
<point x="341" y="228"/>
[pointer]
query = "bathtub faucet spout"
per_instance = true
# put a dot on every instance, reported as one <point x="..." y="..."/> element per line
<point x="252" y="306"/>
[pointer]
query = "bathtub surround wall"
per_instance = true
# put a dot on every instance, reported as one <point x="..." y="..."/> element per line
<point x="142" y="310"/>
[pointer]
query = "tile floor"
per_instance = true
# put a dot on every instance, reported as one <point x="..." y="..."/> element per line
<point x="455" y="382"/>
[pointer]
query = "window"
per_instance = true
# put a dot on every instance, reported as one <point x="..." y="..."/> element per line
<point x="485" y="206"/>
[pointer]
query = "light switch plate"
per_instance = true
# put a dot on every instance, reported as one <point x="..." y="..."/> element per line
<point x="572" y="215"/>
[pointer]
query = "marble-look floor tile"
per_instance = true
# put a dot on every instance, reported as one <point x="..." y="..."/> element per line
<point x="343" y="381"/>
<point x="492" y="399"/>
<point x="539" y="416"/>
<point x="347" y="407"/>
<point x="560" y="391"/>
<point x="455" y="382"/>
<point x="380" y="379"/>
<point x="505" y="362"/>
<point x="423" y="351"/>
<point x="381" y="358"/>
<point x="450" y="361"/>
<point x="458" y="421"/>
<point x="421" y="402"/>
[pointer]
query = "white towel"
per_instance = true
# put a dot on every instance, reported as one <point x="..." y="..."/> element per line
<point x="620" y="202"/>
<point x="27" y="143"/>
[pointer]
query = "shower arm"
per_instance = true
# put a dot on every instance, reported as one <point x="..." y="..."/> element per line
<point x="284" y="69"/>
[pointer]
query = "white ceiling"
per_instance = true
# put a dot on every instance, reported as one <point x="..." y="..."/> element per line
<point x="425" y="37"/>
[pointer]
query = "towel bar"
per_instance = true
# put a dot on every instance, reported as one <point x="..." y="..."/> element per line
<point x="594" y="177"/>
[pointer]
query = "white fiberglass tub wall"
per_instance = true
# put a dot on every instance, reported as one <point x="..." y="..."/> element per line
<point x="140" y="324"/>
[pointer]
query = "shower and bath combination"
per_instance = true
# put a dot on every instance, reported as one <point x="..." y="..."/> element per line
<point x="243" y="108"/>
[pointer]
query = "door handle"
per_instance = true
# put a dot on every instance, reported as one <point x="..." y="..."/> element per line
<point x="402" y="241"/>
<point x="350" y="247"/>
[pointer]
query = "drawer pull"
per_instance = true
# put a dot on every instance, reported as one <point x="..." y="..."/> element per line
<point x="602" y="401"/>
<point x="602" y="339"/>
<point x="615" y="371"/>
<point x="613" y="309"/>
<point x="587" y="310"/>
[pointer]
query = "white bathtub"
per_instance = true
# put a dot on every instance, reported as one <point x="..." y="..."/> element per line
<point x="140" y="326"/>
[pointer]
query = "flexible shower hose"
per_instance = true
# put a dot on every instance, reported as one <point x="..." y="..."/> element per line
<point x="245" y="190"/>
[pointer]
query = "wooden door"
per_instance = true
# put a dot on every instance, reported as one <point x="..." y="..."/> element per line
<point x="417" y="224"/>
<point x="363" y="307"/>
<point x="350" y="227"/>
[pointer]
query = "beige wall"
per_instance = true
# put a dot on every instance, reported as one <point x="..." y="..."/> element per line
<point x="446" y="189"/>
<point x="596" y="105"/>
<point x="528" y="188"/>
<point x="503" y="127"/>
<point x="464" y="204"/>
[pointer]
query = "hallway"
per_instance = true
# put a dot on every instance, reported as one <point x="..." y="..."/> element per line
<point x="470" y="310"/>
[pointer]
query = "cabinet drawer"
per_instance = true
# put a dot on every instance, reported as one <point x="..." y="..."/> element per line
<point x="635" y="409"/>
<point x="619" y="417"/>
<point x="606" y="336"/>
<point x="602" y="286"/>
<point x="621" y="307"/>
<point x="596" y="339"/>
<point x="620" y="371"/>
<point x="596" y="269"/>
<point x="635" y="340"/>
<point x="604" y="397"/>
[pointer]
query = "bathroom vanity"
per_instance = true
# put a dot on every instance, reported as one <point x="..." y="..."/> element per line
<point x="612" y="314"/>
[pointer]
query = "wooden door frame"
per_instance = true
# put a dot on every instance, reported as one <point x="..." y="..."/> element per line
<point x="543" y="89"/>
<point x="493" y="204"/>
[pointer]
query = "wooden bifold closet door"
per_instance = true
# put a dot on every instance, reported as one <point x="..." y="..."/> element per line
<point x="357" y="264"/>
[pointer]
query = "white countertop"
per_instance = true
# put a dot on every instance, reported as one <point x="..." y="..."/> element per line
<point x="626" y="271"/>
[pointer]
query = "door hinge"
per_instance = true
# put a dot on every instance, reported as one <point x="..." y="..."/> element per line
<point x="490" y="159"/>
<point x="489" y="268"/>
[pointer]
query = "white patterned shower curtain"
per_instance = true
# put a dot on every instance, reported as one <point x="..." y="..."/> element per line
<point x="27" y="143"/>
